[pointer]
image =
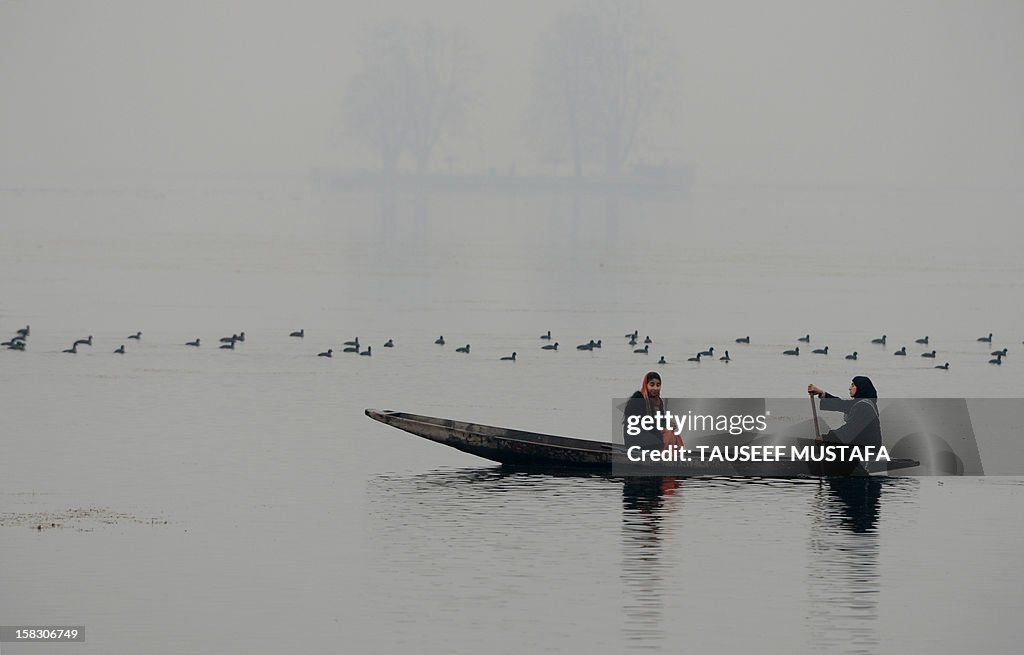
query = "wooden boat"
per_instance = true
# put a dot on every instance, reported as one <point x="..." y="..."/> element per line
<point x="532" y="450"/>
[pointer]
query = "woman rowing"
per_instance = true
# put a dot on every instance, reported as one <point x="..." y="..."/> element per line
<point x="862" y="426"/>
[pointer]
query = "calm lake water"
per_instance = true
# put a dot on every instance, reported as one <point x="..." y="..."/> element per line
<point x="204" y="500"/>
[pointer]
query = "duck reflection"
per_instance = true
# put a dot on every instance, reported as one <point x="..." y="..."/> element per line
<point x="646" y="501"/>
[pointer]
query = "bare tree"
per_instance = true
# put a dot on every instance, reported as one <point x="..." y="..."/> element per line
<point x="558" y="116"/>
<point x="412" y="92"/>
<point x="374" y="111"/>
<point x="442" y="71"/>
<point x="599" y="71"/>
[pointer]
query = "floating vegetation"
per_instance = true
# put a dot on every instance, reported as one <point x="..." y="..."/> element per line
<point x="80" y="519"/>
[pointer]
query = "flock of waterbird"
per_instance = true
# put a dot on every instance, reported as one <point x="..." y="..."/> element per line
<point x="20" y="340"/>
<point x="997" y="355"/>
<point x="633" y="341"/>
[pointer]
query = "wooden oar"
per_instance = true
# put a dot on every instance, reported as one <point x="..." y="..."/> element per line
<point x="817" y="430"/>
<point x="817" y="436"/>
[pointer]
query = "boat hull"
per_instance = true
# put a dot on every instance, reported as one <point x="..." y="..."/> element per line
<point x="537" y="451"/>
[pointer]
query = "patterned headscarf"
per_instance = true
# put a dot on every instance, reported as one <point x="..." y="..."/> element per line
<point x="653" y="375"/>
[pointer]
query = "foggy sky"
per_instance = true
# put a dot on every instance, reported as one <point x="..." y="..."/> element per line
<point x="787" y="92"/>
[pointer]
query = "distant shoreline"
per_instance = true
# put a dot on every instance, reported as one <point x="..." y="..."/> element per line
<point x="656" y="181"/>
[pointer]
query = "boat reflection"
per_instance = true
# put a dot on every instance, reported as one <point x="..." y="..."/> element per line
<point x="684" y="547"/>
<point x="843" y="582"/>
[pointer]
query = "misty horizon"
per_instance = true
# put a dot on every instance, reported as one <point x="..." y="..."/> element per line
<point x="792" y="94"/>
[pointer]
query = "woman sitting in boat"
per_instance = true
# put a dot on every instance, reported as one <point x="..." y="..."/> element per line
<point x="648" y="402"/>
<point x="862" y="426"/>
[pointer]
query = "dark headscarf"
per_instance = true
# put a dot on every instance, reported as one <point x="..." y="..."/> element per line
<point x="864" y="387"/>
